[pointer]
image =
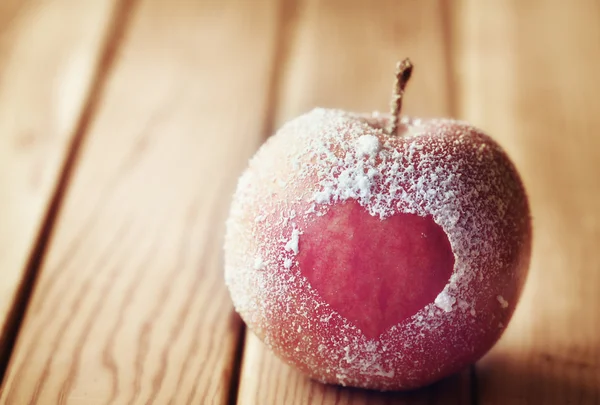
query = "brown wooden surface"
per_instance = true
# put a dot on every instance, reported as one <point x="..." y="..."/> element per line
<point x="170" y="98"/>
<point x="129" y="305"/>
<point x="48" y="60"/>
<point x="528" y="77"/>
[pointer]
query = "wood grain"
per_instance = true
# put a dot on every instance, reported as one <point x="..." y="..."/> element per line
<point x="528" y="74"/>
<point x="342" y="54"/>
<point x="130" y="306"/>
<point x="47" y="64"/>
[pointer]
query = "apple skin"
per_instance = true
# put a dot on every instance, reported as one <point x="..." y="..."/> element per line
<point x="377" y="261"/>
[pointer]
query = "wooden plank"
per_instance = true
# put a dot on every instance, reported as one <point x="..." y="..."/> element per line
<point x="529" y="75"/>
<point x="130" y="306"/>
<point x="48" y="61"/>
<point x="342" y="54"/>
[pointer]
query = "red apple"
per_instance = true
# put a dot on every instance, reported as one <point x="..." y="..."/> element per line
<point x="377" y="258"/>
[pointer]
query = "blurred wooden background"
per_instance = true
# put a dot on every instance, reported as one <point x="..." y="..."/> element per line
<point x="125" y="123"/>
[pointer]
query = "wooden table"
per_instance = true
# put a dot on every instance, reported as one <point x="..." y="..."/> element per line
<point x="124" y="125"/>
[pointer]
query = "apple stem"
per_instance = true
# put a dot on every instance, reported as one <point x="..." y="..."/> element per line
<point x="403" y="72"/>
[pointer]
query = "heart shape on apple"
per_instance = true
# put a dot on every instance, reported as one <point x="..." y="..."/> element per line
<point x="373" y="272"/>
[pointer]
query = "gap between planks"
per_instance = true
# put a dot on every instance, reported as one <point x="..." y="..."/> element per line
<point x="285" y="31"/>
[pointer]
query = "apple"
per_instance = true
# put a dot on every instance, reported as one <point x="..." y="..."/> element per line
<point x="375" y="251"/>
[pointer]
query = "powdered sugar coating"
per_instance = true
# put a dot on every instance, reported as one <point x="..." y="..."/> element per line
<point x="443" y="169"/>
<point x="367" y="145"/>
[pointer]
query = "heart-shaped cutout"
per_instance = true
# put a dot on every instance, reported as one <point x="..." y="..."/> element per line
<point x="374" y="272"/>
